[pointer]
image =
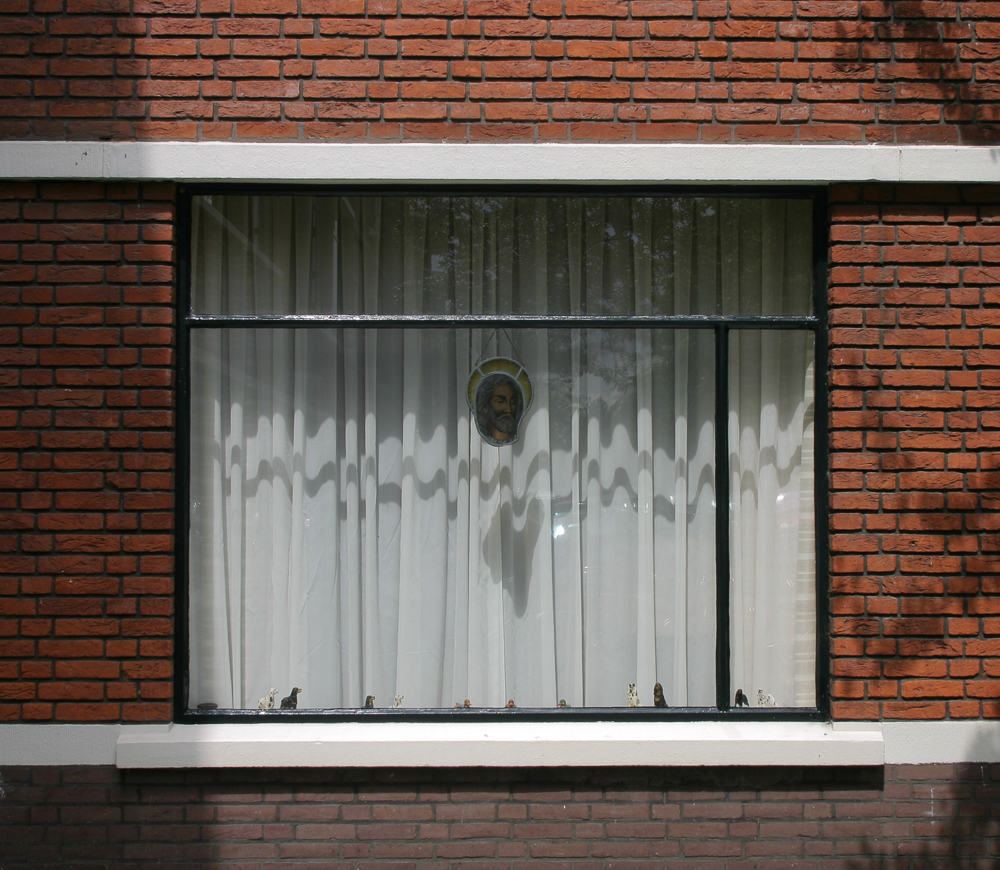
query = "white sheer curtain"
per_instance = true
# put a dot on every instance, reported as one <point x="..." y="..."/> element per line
<point x="352" y="534"/>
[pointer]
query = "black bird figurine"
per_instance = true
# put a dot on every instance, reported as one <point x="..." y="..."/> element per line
<point x="658" y="699"/>
<point x="370" y="702"/>
<point x="741" y="699"/>
<point x="291" y="701"/>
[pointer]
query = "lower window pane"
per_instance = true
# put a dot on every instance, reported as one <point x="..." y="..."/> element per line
<point x="352" y="533"/>
<point x="772" y="516"/>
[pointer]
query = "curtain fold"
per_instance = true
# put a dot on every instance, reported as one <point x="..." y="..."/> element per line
<point x="352" y="534"/>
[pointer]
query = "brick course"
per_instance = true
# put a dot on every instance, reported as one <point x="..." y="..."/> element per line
<point x="87" y="456"/>
<point x="87" y="489"/>
<point x="647" y="70"/>
<point x="724" y="819"/>
<point x="915" y="444"/>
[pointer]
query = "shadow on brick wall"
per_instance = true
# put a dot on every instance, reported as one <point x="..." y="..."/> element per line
<point x="935" y="824"/>
<point x="896" y="818"/>
<point x="70" y="71"/>
<point x="916" y="65"/>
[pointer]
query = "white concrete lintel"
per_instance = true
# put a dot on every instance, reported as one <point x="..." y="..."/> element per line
<point x="490" y="163"/>
<point x="506" y="744"/>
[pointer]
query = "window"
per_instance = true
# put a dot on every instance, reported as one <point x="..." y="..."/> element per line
<point x="362" y="523"/>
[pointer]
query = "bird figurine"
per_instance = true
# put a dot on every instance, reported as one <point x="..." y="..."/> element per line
<point x="511" y="704"/>
<point x="658" y="699"/>
<point x="370" y="702"/>
<point x="741" y="699"/>
<point x="291" y="700"/>
<point x="397" y="702"/>
<point x="267" y="702"/>
<point x="562" y="703"/>
<point x="467" y="704"/>
<point x="765" y="700"/>
<point x="633" y="696"/>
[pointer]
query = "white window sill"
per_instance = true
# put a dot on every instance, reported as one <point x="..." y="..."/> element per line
<point x="501" y="744"/>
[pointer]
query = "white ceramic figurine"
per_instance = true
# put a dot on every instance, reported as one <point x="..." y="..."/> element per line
<point x="765" y="700"/>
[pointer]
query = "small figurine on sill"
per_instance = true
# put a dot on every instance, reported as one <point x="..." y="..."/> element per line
<point x="511" y="704"/>
<point x="467" y="704"/>
<point x="633" y="695"/>
<point x="765" y="700"/>
<point x="291" y="700"/>
<point x="741" y="699"/>
<point x="562" y="703"/>
<point x="370" y="702"/>
<point x="397" y="702"/>
<point x="658" y="699"/>
<point x="267" y="702"/>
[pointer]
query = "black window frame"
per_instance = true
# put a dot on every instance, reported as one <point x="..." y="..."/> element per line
<point x="816" y="322"/>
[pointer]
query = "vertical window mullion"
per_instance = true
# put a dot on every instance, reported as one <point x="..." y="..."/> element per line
<point x="722" y="531"/>
<point x="821" y="331"/>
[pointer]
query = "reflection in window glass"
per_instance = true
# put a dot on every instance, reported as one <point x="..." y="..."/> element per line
<point x="352" y="533"/>
<point x="772" y="513"/>
<point x="593" y="256"/>
<point x="446" y="512"/>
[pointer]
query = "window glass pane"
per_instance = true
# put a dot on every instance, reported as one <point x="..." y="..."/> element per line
<point x="458" y="255"/>
<point x="772" y="510"/>
<point x="352" y="533"/>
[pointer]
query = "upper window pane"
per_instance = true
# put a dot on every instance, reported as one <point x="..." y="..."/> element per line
<point x="459" y="255"/>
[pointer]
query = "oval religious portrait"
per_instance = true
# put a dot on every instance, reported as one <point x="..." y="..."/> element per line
<point x="499" y="395"/>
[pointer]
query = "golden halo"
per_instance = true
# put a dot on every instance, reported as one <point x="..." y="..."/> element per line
<point x="505" y="366"/>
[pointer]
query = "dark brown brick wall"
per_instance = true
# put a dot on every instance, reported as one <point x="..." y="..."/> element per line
<point x="86" y="452"/>
<point x="606" y="70"/>
<point x="915" y="451"/>
<point x="899" y="818"/>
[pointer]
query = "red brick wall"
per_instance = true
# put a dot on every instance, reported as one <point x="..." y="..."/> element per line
<point x="665" y="70"/>
<point x="86" y="452"/>
<point x="915" y="462"/>
<point x="722" y="819"/>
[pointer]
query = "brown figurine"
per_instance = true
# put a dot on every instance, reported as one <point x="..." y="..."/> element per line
<point x="658" y="699"/>
<point x="370" y="702"/>
<point x="741" y="699"/>
<point x="291" y="700"/>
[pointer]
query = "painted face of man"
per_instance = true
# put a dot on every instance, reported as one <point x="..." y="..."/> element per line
<point x="502" y="412"/>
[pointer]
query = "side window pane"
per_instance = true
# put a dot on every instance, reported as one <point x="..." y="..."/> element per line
<point x="772" y="509"/>
<point x="352" y="533"/>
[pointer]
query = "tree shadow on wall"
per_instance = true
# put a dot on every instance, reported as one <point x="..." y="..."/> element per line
<point x="929" y="78"/>
<point x="939" y="826"/>
<point x="77" y="77"/>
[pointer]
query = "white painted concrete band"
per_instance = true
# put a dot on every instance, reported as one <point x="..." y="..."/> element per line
<point x="522" y="744"/>
<point x="628" y="163"/>
<point x="502" y="744"/>
<point x="941" y="742"/>
<point x="413" y="744"/>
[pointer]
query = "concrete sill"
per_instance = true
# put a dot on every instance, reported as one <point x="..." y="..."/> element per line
<point x="502" y="744"/>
